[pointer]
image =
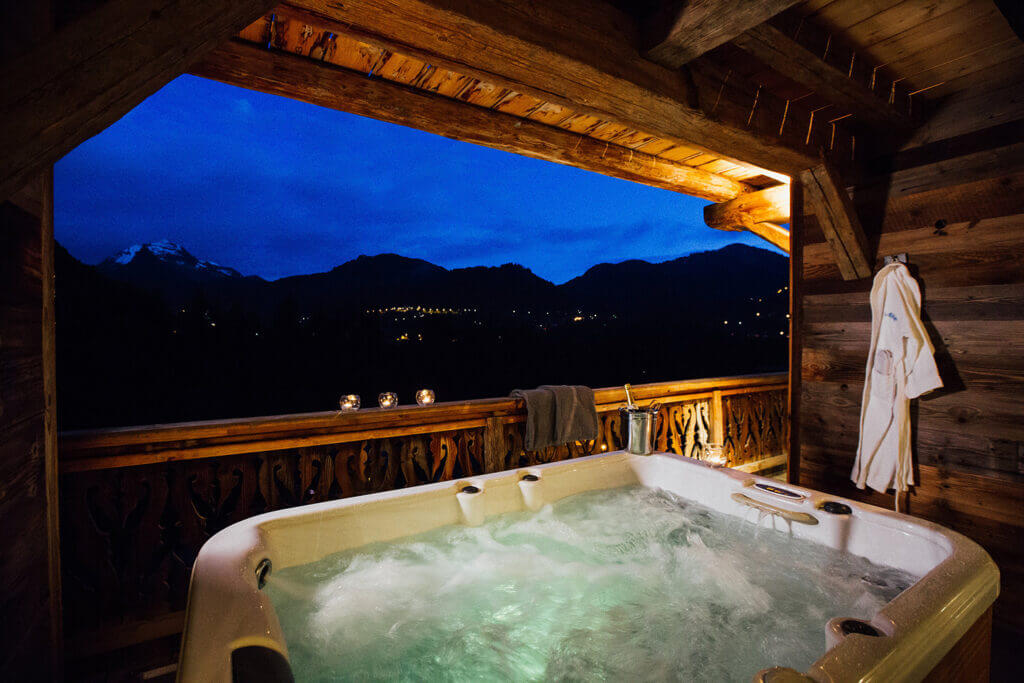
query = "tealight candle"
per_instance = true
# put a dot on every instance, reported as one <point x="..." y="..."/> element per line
<point x="388" y="399"/>
<point x="424" y="397"/>
<point x="349" y="403"/>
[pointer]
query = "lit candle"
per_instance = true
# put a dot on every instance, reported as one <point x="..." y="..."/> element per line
<point x="424" y="397"/>
<point x="388" y="399"/>
<point x="349" y="403"/>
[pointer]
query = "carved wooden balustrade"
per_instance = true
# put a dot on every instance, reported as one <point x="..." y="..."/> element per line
<point x="137" y="503"/>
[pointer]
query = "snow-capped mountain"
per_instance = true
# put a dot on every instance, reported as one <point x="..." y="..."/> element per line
<point x="169" y="253"/>
<point x="170" y="269"/>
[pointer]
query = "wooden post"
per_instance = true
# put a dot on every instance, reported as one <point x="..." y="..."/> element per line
<point x="29" y="567"/>
<point x="837" y="216"/>
<point x="796" y="265"/>
<point x="494" y="445"/>
<point x="717" y="419"/>
<point x="49" y="333"/>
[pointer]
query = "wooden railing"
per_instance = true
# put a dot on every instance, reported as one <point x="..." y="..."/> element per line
<point x="137" y="503"/>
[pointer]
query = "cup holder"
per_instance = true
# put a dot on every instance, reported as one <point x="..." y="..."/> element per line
<point x="861" y="628"/>
<point x="834" y="507"/>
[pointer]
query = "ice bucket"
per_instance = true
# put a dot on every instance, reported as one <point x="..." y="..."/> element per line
<point x="637" y="427"/>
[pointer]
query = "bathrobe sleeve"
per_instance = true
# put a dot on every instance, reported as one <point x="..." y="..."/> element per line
<point x="922" y="375"/>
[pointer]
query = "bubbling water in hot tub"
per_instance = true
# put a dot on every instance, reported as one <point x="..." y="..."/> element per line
<point x="628" y="583"/>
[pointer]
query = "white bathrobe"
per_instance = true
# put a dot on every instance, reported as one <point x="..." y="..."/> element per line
<point x="901" y="366"/>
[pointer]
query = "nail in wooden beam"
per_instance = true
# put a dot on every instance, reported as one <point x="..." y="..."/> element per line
<point x="827" y="197"/>
<point x="837" y="86"/>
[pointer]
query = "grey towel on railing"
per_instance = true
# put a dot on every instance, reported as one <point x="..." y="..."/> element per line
<point x="556" y="415"/>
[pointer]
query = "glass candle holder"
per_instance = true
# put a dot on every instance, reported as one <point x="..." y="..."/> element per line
<point x="714" y="454"/>
<point x="388" y="399"/>
<point x="425" y="397"/>
<point x="349" y="403"/>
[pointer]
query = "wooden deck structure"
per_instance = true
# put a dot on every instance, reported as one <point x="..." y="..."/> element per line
<point x="869" y="127"/>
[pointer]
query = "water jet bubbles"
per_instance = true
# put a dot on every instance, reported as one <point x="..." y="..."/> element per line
<point x="590" y="586"/>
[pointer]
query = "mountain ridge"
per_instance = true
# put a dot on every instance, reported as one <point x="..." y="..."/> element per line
<point x="120" y="265"/>
<point x="159" y="340"/>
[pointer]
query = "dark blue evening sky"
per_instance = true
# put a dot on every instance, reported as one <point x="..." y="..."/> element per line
<point x="275" y="187"/>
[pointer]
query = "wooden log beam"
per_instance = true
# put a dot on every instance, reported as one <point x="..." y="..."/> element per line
<point x="770" y="205"/>
<point x="82" y="78"/>
<point x="281" y="73"/>
<point x="772" y="232"/>
<point x="681" y="31"/>
<point x="777" y="50"/>
<point x="830" y="202"/>
<point x="576" y="53"/>
<point x="758" y="212"/>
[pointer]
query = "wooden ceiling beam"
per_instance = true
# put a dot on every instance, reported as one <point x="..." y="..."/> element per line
<point x="770" y="205"/>
<point x="576" y="53"/>
<point x="680" y="31"/>
<point x="757" y="212"/>
<point x="776" y="234"/>
<point x="840" y="87"/>
<point x="828" y="199"/>
<point x="302" y="78"/>
<point x="84" y="77"/>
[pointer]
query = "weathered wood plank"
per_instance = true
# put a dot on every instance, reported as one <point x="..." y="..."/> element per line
<point x="943" y="165"/>
<point x="301" y="78"/>
<point x="838" y="220"/>
<point x="49" y="363"/>
<point x="90" y="73"/>
<point x="26" y="630"/>
<point x="786" y="56"/>
<point x="976" y="409"/>
<point x="797" y="228"/>
<point x="983" y="252"/>
<point x="579" y="54"/>
<point x="681" y="31"/>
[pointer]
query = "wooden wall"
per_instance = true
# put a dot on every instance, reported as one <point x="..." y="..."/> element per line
<point x="29" y="571"/>
<point x="969" y="436"/>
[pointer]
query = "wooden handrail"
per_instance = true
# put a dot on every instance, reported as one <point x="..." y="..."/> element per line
<point x="134" y="446"/>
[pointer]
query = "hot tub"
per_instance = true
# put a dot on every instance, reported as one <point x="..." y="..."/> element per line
<point x="232" y="625"/>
